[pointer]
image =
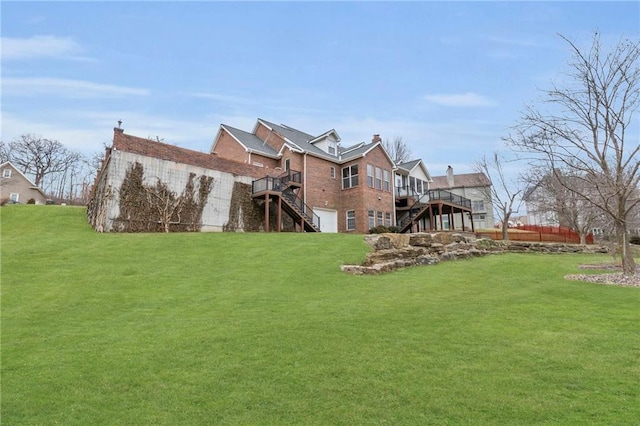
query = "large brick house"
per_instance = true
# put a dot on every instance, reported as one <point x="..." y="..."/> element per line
<point x="343" y="186"/>
<point x="272" y="178"/>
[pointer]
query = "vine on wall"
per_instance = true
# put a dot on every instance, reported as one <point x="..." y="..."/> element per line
<point x="244" y="214"/>
<point x="97" y="205"/>
<point x="155" y="208"/>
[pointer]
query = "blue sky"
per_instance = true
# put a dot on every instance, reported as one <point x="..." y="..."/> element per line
<point x="450" y="78"/>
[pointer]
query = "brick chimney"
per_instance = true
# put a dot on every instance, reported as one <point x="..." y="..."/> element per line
<point x="376" y="138"/>
<point x="450" y="176"/>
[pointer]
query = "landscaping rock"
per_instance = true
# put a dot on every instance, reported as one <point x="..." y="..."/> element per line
<point x="394" y="251"/>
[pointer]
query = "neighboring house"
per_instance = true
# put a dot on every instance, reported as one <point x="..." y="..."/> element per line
<point x="475" y="188"/>
<point x="421" y="206"/>
<point x="17" y="188"/>
<point x="272" y="178"/>
<point x="533" y="200"/>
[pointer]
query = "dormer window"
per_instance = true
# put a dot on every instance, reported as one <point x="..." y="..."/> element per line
<point x="6" y="173"/>
<point x="332" y="148"/>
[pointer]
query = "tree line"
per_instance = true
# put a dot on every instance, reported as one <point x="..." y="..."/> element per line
<point x="579" y="148"/>
<point x="62" y="174"/>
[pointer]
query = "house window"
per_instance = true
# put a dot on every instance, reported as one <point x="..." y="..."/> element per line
<point x="387" y="217"/>
<point x="332" y="172"/>
<point x="332" y="148"/>
<point x="445" y="222"/>
<point x="351" y="220"/>
<point x="478" y="205"/>
<point x="378" y="178"/>
<point x="412" y="184"/>
<point x="380" y="216"/>
<point x="372" y="219"/>
<point x="6" y="173"/>
<point x="14" y="197"/>
<point x="287" y="164"/>
<point x="350" y="176"/>
<point x="369" y="175"/>
<point x="387" y="181"/>
<point x="419" y="186"/>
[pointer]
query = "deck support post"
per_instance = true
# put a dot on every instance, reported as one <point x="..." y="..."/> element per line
<point x="279" y="224"/>
<point x="266" y="212"/>
<point x="431" y="220"/>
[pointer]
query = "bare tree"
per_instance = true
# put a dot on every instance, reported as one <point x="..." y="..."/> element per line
<point x="40" y="157"/>
<point x="4" y="153"/>
<point x="585" y="132"/>
<point x="505" y="193"/>
<point x="397" y="149"/>
<point x="166" y="203"/>
<point x="553" y="195"/>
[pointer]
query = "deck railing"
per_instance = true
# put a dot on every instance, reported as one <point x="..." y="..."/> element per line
<point x="267" y="183"/>
<point x="442" y="195"/>
<point x="420" y="201"/>
<point x="291" y="176"/>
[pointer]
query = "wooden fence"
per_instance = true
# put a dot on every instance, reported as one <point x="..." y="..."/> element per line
<point x="554" y="234"/>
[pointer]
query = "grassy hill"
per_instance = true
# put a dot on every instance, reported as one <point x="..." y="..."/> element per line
<point x="265" y="329"/>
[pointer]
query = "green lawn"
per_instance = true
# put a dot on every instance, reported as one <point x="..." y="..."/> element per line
<point x="264" y="329"/>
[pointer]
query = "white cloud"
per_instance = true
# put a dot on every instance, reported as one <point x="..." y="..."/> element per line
<point x="88" y="131"/>
<point x="38" y="46"/>
<point x="67" y="88"/>
<point x="468" y="99"/>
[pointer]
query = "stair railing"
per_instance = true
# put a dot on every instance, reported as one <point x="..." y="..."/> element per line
<point x="281" y="184"/>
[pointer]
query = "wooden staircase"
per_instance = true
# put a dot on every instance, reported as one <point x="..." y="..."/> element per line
<point x="283" y="188"/>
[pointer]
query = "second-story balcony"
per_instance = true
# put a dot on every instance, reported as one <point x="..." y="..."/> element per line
<point x="416" y="210"/>
<point x="408" y="196"/>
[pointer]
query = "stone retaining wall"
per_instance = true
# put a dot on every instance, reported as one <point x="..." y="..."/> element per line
<point x="393" y="251"/>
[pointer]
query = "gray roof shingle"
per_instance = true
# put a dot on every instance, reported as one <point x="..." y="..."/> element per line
<point x="301" y="139"/>
<point x="251" y="141"/>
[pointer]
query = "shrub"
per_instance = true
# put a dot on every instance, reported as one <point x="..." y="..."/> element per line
<point x="31" y="201"/>
<point x="380" y="229"/>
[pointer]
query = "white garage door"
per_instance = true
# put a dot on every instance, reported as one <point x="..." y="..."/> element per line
<point x="328" y="219"/>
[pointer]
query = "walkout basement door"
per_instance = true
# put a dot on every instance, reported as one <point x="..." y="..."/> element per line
<point x="328" y="219"/>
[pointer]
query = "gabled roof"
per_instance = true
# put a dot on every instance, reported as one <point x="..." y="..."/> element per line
<point x="163" y="151"/>
<point x="465" y="180"/>
<point x="335" y="134"/>
<point x="298" y="141"/>
<point x="33" y="185"/>
<point x="249" y="141"/>
<point x="409" y="166"/>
